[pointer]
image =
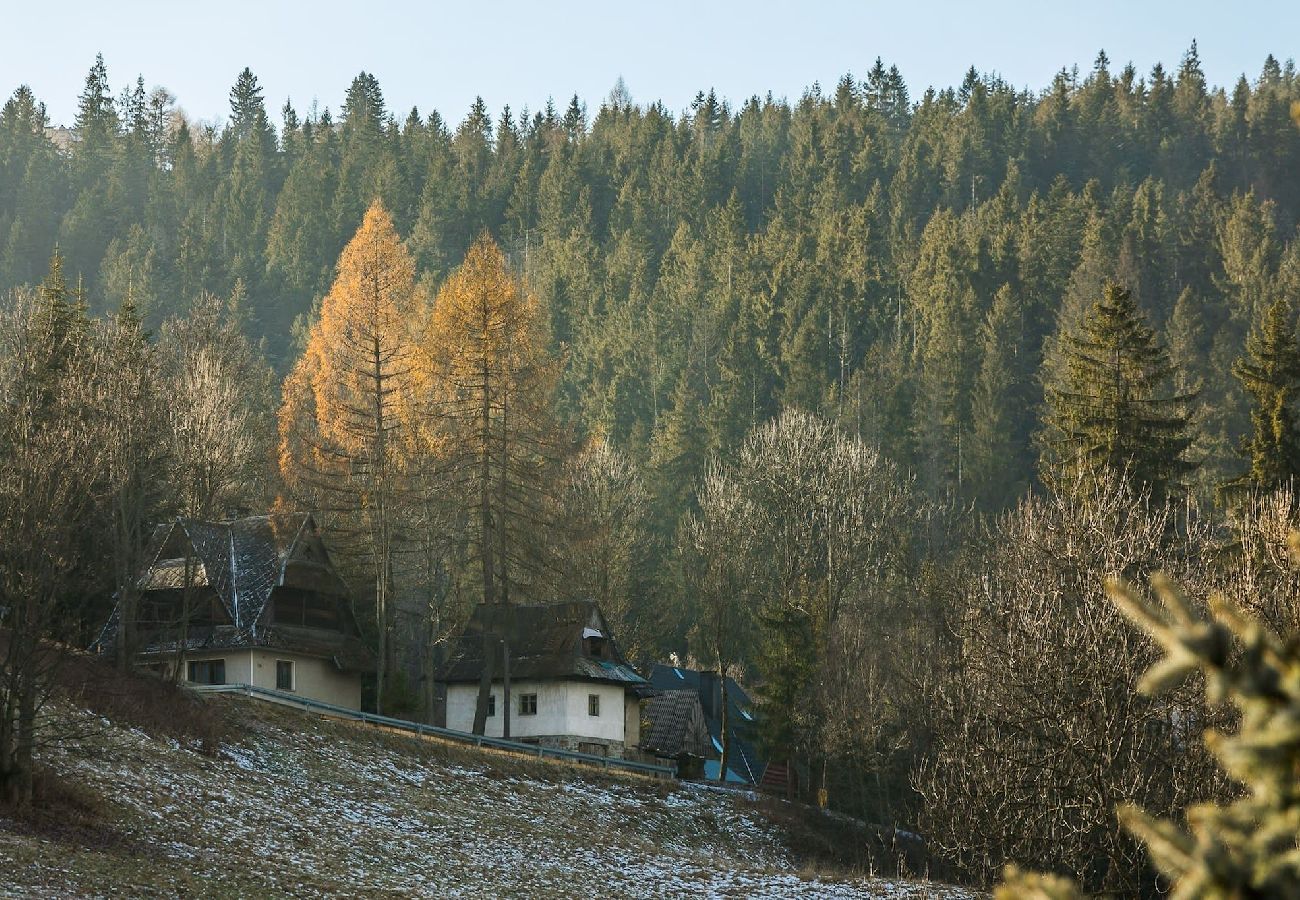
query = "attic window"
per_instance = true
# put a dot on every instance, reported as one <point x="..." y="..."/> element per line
<point x="595" y="647"/>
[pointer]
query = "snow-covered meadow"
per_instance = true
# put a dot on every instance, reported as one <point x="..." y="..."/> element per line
<point x="301" y="806"/>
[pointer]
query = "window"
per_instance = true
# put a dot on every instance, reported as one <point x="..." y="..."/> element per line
<point x="492" y="704"/>
<point x="527" y="704"/>
<point x="309" y="609"/>
<point x="596" y="647"/>
<point x="283" y="675"/>
<point x="208" y="671"/>
<point x="593" y="704"/>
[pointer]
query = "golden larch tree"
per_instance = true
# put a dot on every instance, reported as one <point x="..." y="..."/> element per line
<point x="343" y="419"/>
<point x="492" y="382"/>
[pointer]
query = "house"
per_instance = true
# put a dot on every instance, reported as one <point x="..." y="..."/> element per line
<point x="250" y="601"/>
<point x="673" y="727"/>
<point x="747" y="764"/>
<point x="568" y="686"/>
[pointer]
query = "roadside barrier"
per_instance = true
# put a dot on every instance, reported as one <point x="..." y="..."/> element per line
<point x="419" y="728"/>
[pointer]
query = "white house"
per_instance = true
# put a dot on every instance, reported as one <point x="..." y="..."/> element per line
<point x="569" y="686"/>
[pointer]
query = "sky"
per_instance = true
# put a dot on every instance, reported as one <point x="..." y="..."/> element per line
<point x="438" y="55"/>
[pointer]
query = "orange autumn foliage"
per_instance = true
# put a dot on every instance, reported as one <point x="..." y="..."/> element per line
<point x="492" y="380"/>
<point x="345" y="402"/>
<point x="344" y="415"/>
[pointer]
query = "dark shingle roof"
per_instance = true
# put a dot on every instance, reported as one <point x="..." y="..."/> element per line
<point x="674" y="724"/>
<point x="545" y="641"/>
<point x="243" y="561"/>
<point x="747" y="762"/>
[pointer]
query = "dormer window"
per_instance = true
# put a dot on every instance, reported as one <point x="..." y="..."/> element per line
<point x="593" y="642"/>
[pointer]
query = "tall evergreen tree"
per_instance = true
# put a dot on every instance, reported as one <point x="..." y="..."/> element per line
<point x="1114" y="407"/>
<point x="1270" y="374"/>
<point x="997" y="473"/>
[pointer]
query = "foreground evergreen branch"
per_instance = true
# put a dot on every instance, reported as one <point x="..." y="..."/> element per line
<point x="1247" y="848"/>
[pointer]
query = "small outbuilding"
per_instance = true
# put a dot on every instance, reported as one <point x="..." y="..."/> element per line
<point x="568" y="684"/>
<point x="747" y="764"/>
<point x="673" y="728"/>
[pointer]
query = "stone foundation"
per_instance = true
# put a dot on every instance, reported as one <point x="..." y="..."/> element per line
<point x="579" y="744"/>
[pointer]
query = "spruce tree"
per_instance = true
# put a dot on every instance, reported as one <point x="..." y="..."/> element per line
<point x="1113" y="406"/>
<point x="998" y="437"/>
<point x="1270" y="374"/>
<point x="96" y="120"/>
<point x="247" y="109"/>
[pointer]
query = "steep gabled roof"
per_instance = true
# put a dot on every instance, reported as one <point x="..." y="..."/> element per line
<point x="545" y="641"/>
<point x="675" y="724"/>
<point x="747" y="760"/>
<point x="242" y="560"/>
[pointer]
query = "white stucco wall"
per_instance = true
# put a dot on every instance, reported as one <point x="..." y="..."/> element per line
<point x="239" y="664"/>
<point x="561" y="709"/>
<point x="316" y="678"/>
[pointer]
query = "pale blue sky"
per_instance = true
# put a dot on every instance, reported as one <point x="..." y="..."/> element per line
<point x="440" y="55"/>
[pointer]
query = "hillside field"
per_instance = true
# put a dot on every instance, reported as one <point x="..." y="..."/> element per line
<point x="296" y="805"/>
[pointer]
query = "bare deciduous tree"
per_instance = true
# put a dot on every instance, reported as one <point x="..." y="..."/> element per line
<point x="606" y="504"/>
<point x="1038" y="732"/>
<point x="51" y="463"/>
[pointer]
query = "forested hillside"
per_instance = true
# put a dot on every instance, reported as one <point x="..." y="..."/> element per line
<point x="858" y="397"/>
<point x="840" y="253"/>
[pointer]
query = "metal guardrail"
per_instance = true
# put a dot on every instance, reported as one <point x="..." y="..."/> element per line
<point x="419" y="728"/>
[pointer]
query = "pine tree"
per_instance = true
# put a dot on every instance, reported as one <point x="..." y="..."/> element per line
<point x="247" y="109"/>
<point x="136" y="457"/>
<point x="997" y="470"/>
<point x="1270" y="374"/>
<point x="1113" y="408"/>
<point x="97" y="120"/>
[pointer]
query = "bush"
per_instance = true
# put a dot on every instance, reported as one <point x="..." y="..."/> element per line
<point x="1249" y="847"/>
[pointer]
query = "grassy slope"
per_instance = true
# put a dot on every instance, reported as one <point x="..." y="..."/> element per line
<point x="297" y="805"/>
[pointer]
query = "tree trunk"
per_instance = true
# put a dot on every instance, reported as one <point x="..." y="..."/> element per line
<point x="379" y="523"/>
<point x="485" y="680"/>
<point x="725" y="763"/>
<point x="485" y="552"/>
<point x="505" y="690"/>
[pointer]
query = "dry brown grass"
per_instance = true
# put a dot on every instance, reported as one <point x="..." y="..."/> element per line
<point x="141" y="700"/>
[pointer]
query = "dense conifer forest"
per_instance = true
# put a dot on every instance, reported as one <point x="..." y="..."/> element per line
<point x="858" y="397"/>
